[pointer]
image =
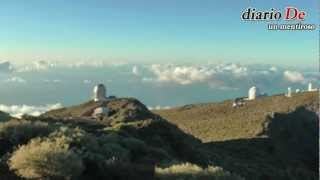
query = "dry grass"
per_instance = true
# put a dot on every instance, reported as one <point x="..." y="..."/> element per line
<point x="219" y="121"/>
<point x="21" y="131"/>
<point x="43" y="159"/>
<point x="188" y="171"/>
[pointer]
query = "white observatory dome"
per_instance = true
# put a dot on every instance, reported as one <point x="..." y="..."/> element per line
<point x="253" y="93"/>
<point x="289" y="92"/>
<point x="310" y="88"/>
<point x="99" y="93"/>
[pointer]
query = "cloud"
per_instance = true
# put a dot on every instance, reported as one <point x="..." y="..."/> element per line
<point x="16" y="79"/>
<point x="293" y="76"/>
<point x="5" y="67"/>
<point x="87" y="81"/>
<point x="43" y="65"/>
<point x="48" y="65"/>
<point x="273" y="68"/>
<point x="19" y="110"/>
<point x="52" y="81"/>
<point x="220" y="76"/>
<point x="183" y="75"/>
<point x="36" y="66"/>
<point x="224" y="76"/>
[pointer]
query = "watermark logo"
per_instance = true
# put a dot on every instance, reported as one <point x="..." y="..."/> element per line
<point x="289" y="15"/>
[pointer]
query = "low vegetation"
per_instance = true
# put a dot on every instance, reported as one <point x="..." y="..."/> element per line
<point x="41" y="159"/>
<point x="271" y="138"/>
<point x="18" y="132"/>
<point x="68" y="144"/>
<point x="4" y="116"/>
<point x="220" y="121"/>
<point x="188" y="171"/>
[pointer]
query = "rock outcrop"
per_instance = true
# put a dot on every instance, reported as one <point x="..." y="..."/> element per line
<point x="120" y="110"/>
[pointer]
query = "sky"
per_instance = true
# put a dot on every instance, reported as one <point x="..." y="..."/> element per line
<point x="152" y="31"/>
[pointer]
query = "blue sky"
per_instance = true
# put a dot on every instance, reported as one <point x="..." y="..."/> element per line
<point x="151" y="31"/>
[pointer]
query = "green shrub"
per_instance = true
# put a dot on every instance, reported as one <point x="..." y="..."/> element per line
<point x="188" y="171"/>
<point x="4" y="116"/>
<point x="21" y="131"/>
<point x="111" y="150"/>
<point x="128" y="171"/>
<point x="97" y="152"/>
<point x="46" y="159"/>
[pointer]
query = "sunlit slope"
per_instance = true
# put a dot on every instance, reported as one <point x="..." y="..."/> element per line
<point x="220" y="121"/>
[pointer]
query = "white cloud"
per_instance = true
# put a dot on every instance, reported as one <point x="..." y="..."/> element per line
<point x="56" y="81"/>
<point x="87" y="81"/>
<point x="182" y="75"/>
<point x="43" y="65"/>
<point x="19" y="110"/>
<point x="15" y="79"/>
<point x="226" y="76"/>
<point x="47" y="65"/>
<point x="293" y="76"/>
<point x="273" y="68"/>
<point x="52" y="81"/>
<point x="36" y="66"/>
<point x="222" y="76"/>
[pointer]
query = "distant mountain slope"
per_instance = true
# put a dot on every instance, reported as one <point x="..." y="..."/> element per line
<point x="220" y="121"/>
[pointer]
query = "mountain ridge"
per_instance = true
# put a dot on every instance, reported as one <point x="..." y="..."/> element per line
<point x="220" y="121"/>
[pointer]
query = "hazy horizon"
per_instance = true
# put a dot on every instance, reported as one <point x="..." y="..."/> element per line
<point x="42" y="85"/>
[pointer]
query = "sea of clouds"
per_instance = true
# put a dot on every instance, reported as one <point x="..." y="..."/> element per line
<point x="20" y="110"/>
<point x="216" y="75"/>
<point x="225" y="77"/>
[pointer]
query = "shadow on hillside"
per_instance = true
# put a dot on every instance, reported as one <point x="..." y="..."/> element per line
<point x="289" y="149"/>
<point x="296" y="136"/>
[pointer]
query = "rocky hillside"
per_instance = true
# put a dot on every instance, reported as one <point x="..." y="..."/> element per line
<point x="120" y="110"/>
<point x="131" y="143"/>
<point x="271" y="138"/>
<point x="220" y="121"/>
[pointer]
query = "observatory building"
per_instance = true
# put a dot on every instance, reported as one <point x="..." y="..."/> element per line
<point x="289" y="94"/>
<point x="310" y="87"/>
<point x="100" y="112"/>
<point x="253" y="93"/>
<point x="99" y="93"/>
